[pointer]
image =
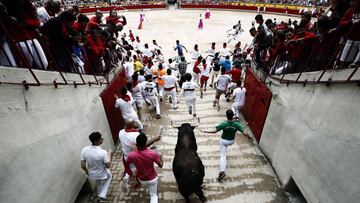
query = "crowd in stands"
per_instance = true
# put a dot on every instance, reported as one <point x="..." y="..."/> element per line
<point x="332" y="41"/>
<point x="287" y="2"/>
<point x="50" y="39"/>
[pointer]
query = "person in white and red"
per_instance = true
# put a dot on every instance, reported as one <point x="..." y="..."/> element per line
<point x="169" y="86"/>
<point x="144" y="159"/>
<point x="124" y="103"/>
<point x="127" y="137"/>
<point x="239" y="99"/>
<point x="128" y="68"/>
<point x="205" y="73"/>
<point x="188" y="91"/>
<point x="96" y="163"/>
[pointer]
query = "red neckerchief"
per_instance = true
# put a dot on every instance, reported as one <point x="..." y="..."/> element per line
<point x="131" y="130"/>
<point x="125" y="97"/>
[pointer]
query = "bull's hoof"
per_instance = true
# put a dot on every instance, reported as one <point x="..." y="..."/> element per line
<point x="202" y="199"/>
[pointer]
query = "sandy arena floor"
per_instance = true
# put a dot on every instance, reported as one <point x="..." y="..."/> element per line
<point x="250" y="177"/>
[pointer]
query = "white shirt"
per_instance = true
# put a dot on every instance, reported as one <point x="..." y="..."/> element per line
<point x="170" y="80"/>
<point x="225" y="52"/>
<point x="149" y="89"/>
<point x="239" y="94"/>
<point x="188" y="89"/>
<point x="43" y="15"/>
<point x="126" y="108"/>
<point x="223" y="81"/>
<point x="137" y="91"/>
<point x="174" y="68"/>
<point x="211" y="52"/>
<point x="128" y="141"/>
<point x="147" y="52"/>
<point x="141" y="78"/>
<point x="129" y="69"/>
<point x="95" y="158"/>
<point x="204" y="71"/>
<point x="195" y="54"/>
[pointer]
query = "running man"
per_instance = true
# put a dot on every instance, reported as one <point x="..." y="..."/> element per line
<point x="229" y="128"/>
<point x="150" y="92"/>
<point x="124" y="103"/>
<point x="222" y="81"/>
<point x="144" y="159"/>
<point x="169" y="87"/>
<point x="188" y="91"/>
<point x="239" y="99"/>
<point x="179" y="48"/>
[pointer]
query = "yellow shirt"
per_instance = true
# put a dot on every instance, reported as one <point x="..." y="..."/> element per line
<point x="138" y="66"/>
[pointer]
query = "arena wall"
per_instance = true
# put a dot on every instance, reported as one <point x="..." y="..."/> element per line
<point x="43" y="130"/>
<point x="311" y="135"/>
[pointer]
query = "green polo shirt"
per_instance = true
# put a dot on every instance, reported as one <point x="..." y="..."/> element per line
<point x="229" y="129"/>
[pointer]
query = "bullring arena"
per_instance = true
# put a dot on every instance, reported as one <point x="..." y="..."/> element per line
<point x="250" y="177"/>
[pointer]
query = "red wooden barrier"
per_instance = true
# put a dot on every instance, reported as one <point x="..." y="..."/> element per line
<point x="113" y="114"/>
<point x="257" y="103"/>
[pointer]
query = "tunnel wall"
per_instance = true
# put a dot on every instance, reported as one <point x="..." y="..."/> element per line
<point x="43" y="130"/>
<point x="312" y="135"/>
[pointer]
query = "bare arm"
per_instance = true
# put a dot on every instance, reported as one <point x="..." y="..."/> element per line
<point x="83" y="166"/>
<point x="152" y="140"/>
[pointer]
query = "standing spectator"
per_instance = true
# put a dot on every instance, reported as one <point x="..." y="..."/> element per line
<point x="96" y="21"/>
<point x="81" y="24"/>
<point x="229" y="128"/>
<point x="188" y="91"/>
<point x="144" y="159"/>
<point x="96" y="163"/>
<point x="49" y="10"/>
<point x="22" y="24"/>
<point x="124" y="103"/>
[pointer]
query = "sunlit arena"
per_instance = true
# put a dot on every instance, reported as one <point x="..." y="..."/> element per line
<point x="179" y="101"/>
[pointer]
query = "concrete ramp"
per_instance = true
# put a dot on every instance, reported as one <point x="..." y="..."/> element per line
<point x="250" y="177"/>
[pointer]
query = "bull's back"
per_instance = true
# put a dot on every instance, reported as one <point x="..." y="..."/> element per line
<point x="188" y="169"/>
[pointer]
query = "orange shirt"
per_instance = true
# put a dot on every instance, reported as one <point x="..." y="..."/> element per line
<point x="159" y="73"/>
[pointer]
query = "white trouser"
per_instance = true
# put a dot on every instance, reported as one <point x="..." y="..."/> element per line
<point x="152" y="185"/>
<point x="6" y="56"/>
<point x="102" y="186"/>
<point x="223" y="150"/>
<point x="196" y="77"/>
<point x="172" y="94"/>
<point x="154" y="102"/>
<point x="191" y="102"/>
<point x="351" y="52"/>
<point x="214" y="76"/>
<point x="32" y="50"/>
<point x="161" y="91"/>
<point x="236" y="108"/>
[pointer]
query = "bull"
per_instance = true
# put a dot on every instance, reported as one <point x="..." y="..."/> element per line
<point x="187" y="166"/>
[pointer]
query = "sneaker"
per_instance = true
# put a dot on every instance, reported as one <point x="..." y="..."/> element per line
<point x="214" y="103"/>
<point x="221" y="176"/>
<point x="101" y="199"/>
<point x="227" y="99"/>
<point x="190" y="109"/>
<point x="175" y="107"/>
<point x="201" y="95"/>
<point x="170" y="100"/>
<point x="158" y="116"/>
<point x="218" y="107"/>
<point x="161" y="99"/>
<point x="194" y="115"/>
<point x="210" y="85"/>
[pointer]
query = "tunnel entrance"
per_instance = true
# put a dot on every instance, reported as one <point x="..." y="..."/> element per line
<point x="295" y="194"/>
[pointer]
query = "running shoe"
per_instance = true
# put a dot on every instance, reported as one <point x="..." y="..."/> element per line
<point x="158" y="116"/>
<point x="218" y="107"/>
<point x="190" y="109"/>
<point x="221" y="176"/>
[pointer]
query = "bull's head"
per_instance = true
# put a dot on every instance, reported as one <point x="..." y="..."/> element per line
<point x="176" y="124"/>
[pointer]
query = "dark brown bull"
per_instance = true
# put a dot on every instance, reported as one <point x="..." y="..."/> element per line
<point x="187" y="166"/>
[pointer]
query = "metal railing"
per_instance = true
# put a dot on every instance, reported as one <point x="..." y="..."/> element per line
<point x="39" y="54"/>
